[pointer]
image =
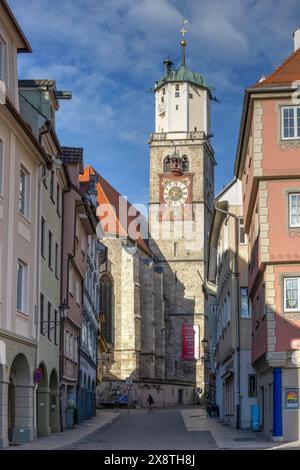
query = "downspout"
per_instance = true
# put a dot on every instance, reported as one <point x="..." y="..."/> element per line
<point x="237" y="311"/>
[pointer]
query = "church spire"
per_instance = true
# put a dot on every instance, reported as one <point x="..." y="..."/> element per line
<point x="183" y="41"/>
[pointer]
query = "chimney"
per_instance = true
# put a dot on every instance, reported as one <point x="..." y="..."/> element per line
<point x="296" y="37"/>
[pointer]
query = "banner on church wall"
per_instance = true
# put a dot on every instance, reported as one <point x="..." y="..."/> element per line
<point x="190" y="336"/>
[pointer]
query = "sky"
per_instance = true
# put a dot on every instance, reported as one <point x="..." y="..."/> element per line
<point x="109" y="53"/>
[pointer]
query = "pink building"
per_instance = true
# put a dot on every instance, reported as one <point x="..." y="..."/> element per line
<point x="268" y="163"/>
<point x="78" y="223"/>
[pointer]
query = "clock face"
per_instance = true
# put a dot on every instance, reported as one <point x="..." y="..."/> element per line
<point x="175" y="193"/>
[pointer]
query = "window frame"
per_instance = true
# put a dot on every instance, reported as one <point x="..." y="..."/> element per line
<point x="49" y="311"/>
<point x="23" y="308"/>
<point x="50" y="251"/>
<point x="42" y="311"/>
<point x="285" y="309"/>
<point x="25" y="172"/>
<point x="43" y="236"/>
<point x="56" y="260"/>
<point x="248" y="317"/>
<point x="4" y="63"/>
<point x="289" y="209"/>
<point x="296" y="135"/>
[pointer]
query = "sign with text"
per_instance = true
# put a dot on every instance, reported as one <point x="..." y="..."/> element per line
<point x="190" y="336"/>
<point x="292" y="398"/>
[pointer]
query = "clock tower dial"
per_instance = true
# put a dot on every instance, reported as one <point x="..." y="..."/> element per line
<point x="175" y="193"/>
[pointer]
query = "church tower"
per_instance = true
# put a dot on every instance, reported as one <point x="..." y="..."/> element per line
<point x="180" y="209"/>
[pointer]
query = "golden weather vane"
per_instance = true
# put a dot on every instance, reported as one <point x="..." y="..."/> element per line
<point x="183" y="41"/>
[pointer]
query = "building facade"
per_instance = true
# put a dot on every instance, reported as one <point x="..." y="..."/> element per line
<point x="38" y="104"/>
<point x="231" y="333"/>
<point x="266" y="164"/>
<point x="21" y="160"/>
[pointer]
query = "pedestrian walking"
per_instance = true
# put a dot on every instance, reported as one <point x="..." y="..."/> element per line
<point x="150" y="402"/>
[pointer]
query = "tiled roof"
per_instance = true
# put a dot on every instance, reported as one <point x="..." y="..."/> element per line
<point x="72" y="154"/>
<point x="112" y="219"/>
<point x="285" y="74"/>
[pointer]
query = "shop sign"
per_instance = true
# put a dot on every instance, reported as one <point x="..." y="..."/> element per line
<point x="292" y="398"/>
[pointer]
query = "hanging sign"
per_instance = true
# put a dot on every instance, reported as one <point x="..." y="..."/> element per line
<point x="188" y="343"/>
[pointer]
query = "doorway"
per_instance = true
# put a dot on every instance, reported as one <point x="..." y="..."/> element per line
<point x="180" y="396"/>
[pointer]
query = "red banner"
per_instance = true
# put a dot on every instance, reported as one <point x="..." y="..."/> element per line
<point x="188" y="343"/>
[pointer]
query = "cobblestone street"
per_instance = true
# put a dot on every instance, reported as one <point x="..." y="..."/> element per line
<point x="138" y="429"/>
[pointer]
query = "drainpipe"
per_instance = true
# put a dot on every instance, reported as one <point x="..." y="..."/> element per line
<point x="237" y="311"/>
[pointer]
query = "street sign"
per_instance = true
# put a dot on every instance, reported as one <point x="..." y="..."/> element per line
<point x="38" y="375"/>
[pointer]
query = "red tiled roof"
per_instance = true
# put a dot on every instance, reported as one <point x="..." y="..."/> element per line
<point x="285" y="74"/>
<point x="111" y="219"/>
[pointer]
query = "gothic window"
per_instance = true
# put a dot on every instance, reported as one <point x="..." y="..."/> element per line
<point x="106" y="293"/>
<point x="167" y="164"/>
<point x="185" y="163"/>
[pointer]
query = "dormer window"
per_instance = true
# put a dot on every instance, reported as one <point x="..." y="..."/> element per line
<point x="290" y="122"/>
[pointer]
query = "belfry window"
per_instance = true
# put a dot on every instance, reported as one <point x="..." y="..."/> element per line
<point x="167" y="164"/>
<point x="185" y="163"/>
<point x="106" y="300"/>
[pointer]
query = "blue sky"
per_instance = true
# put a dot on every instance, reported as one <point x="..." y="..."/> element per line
<point x="110" y="52"/>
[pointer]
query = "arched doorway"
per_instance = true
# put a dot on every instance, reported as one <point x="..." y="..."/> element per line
<point x="43" y="392"/>
<point x="20" y="402"/>
<point x="54" y="402"/>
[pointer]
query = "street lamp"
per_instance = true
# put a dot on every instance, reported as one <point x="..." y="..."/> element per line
<point x="64" y="311"/>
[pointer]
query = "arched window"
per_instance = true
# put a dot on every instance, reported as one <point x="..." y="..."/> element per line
<point x="106" y="293"/>
<point x="167" y="164"/>
<point x="185" y="163"/>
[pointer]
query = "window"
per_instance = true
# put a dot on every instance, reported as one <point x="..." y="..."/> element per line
<point x="290" y="122"/>
<point x="1" y="166"/>
<point x="106" y="297"/>
<point x="191" y="96"/>
<point x="58" y="199"/>
<point x="55" y="326"/>
<point x="252" y="387"/>
<point x="43" y="237"/>
<point x="49" y="321"/>
<point x="52" y="186"/>
<point x="22" y="286"/>
<point x="185" y="163"/>
<point x="177" y="94"/>
<point x="71" y="347"/>
<point x="78" y="293"/>
<point x="3" y="60"/>
<point x="164" y="91"/>
<point x="245" y="311"/>
<point x="71" y="287"/>
<point x="294" y="210"/>
<point x="42" y="314"/>
<point x="291" y="294"/>
<point x="162" y="99"/>
<point x="56" y="260"/>
<point x="242" y="230"/>
<point x="177" y="87"/>
<point x="177" y="107"/>
<point x="50" y="250"/>
<point x="167" y="164"/>
<point x="24" y="192"/>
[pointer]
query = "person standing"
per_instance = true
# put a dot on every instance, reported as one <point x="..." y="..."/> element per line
<point x="150" y="402"/>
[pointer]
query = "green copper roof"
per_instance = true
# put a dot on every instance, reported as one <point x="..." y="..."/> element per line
<point x="183" y="74"/>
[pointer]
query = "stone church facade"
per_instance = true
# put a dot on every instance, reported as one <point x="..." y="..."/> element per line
<point x="153" y="305"/>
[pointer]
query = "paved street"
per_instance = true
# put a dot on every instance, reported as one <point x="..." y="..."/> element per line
<point x="138" y="429"/>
